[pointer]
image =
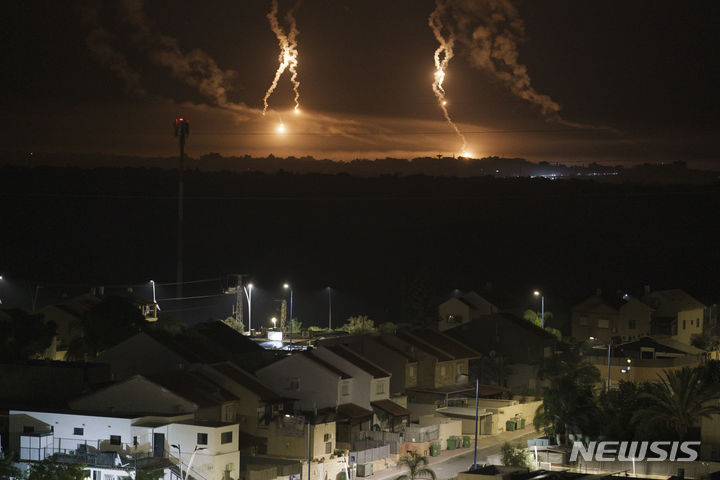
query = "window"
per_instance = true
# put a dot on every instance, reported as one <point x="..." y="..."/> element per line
<point x="697" y="322"/>
<point x="603" y="323"/>
<point x="683" y="324"/>
<point x="78" y="431"/>
<point x="327" y="437"/>
<point x="443" y="371"/>
<point x="135" y="442"/>
<point x="631" y="324"/>
<point x="345" y="389"/>
<point x="411" y="371"/>
<point x="328" y="447"/>
<point x="380" y="388"/>
<point x="225" y="437"/>
<point x="459" y="368"/>
<point x="583" y="321"/>
<point x="202" y="438"/>
<point x="28" y="429"/>
<point x="294" y="384"/>
<point x="115" y="440"/>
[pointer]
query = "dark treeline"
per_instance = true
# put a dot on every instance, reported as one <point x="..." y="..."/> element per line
<point x="499" y="167"/>
<point x="400" y="243"/>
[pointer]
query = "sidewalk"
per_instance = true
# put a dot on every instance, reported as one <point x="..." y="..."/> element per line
<point x="484" y="442"/>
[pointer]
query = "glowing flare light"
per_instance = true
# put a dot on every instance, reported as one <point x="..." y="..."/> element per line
<point x="443" y="55"/>
<point x="288" y="57"/>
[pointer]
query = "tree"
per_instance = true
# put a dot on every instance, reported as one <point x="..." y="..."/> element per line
<point x="49" y="469"/>
<point x="568" y="402"/>
<point x="494" y="369"/>
<point x="417" y="467"/>
<point x="537" y="317"/>
<point x="23" y="336"/>
<point x="388" y="327"/>
<point x="296" y="326"/>
<point x="679" y="401"/>
<point x="106" y="324"/>
<point x="617" y="408"/>
<point x="8" y="468"/>
<point x="233" y="323"/>
<point x="359" y="325"/>
<point x="515" y="456"/>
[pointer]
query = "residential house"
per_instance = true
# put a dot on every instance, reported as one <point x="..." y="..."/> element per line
<point x="622" y="318"/>
<point x="175" y="392"/>
<point x="402" y="364"/>
<point x="507" y="340"/>
<point x="110" y="444"/>
<point x="370" y="390"/>
<point x="463" y="309"/>
<point x="156" y="351"/>
<point x="66" y="316"/>
<point x="315" y="382"/>
<point x="644" y="360"/>
<point x="675" y="313"/>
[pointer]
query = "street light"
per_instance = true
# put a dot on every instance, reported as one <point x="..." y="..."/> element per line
<point x="329" y="308"/>
<point x="287" y="286"/>
<point x="192" y="457"/>
<point x="537" y="293"/>
<point x="274" y="321"/>
<point x="248" y="295"/>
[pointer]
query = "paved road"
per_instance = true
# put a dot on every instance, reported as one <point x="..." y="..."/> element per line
<point x="447" y="466"/>
<point x="488" y="455"/>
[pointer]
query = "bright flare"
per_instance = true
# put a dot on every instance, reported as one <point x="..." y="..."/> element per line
<point x="288" y="57"/>
<point x="442" y="57"/>
<point x="281" y="128"/>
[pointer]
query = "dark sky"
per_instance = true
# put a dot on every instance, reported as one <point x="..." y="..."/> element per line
<point x="110" y="77"/>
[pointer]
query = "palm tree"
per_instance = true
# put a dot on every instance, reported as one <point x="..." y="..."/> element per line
<point x="568" y="402"/>
<point x="679" y="400"/>
<point x="417" y="467"/>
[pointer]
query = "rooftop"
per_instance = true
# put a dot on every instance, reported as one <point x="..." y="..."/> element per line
<point x="358" y="361"/>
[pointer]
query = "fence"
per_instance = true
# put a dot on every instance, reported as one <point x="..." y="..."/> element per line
<point x="393" y="440"/>
<point x="422" y="434"/>
<point x="666" y="468"/>
<point x="370" y="455"/>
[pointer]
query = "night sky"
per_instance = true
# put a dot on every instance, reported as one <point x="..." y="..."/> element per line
<point x="630" y="81"/>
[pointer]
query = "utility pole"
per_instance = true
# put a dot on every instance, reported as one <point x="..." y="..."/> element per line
<point x="239" y="310"/>
<point x="182" y="131"/>
<point x="329" y="308"/>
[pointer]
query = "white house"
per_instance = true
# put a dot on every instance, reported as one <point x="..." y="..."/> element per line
<point x="110" y="443"/>
<point x="316" y="383"/>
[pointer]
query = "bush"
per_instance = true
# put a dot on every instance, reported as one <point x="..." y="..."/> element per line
<point x="515" y="456"/>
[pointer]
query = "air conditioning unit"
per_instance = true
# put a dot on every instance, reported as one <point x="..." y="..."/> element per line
<point x="364" y="469"/>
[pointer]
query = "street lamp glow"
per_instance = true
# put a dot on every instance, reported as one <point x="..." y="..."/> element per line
<point x="286" y="286"/>
<point x="274" y="321"/>
<point x="536" y="293"/>
<point x="248" y="295"/>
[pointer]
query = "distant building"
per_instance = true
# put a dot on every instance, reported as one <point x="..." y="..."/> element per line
<point x="463" y="309"/>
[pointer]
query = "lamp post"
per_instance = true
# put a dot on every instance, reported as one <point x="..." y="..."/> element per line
<point x="537" y="293"/>
<point x="608" y="380"/>
<point x="179" y="458"/>
<point x="329" y="308"/>
<point x="287" y="286"/>
<point x="192" y="457"/>
<point x="248" y="295"/>
<point x="274" y="321"/>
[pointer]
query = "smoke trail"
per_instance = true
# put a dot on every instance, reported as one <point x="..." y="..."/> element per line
<point x="98" y="42"/>
<point x="288" y="57"/>
<point x="443" y="55"/>
<point x="196" y="68"/>
<point x="490" y="31"/>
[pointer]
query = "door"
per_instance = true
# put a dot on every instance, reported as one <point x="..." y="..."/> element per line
<point x="158" y="444"/>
